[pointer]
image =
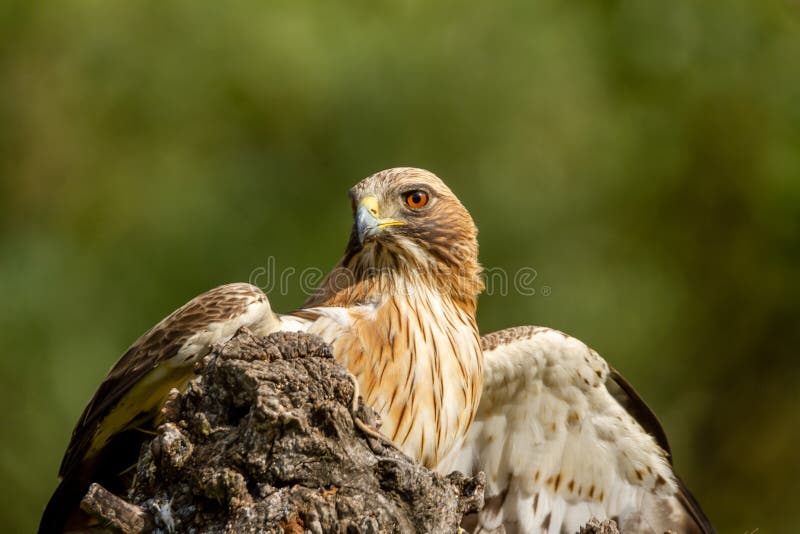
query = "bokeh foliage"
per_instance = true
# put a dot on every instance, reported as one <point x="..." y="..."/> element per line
<point x="642" y="156"/>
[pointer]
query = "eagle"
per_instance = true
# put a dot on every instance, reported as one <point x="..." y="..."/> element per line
<point x="561" y="437"/>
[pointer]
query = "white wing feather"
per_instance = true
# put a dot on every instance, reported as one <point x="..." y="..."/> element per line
<point x="556" y="446"/>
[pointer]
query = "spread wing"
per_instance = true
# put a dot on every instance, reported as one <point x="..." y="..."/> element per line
<point x="137" y="385"/>
<point x="563" y="438"/>
<point x="161" y="359"/>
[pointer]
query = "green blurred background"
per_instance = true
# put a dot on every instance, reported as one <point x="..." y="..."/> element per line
<point x="642" y="156"/>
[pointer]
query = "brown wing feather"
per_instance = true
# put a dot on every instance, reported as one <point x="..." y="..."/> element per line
<point x="157" y="345"/>
<point x="628" y="398"/>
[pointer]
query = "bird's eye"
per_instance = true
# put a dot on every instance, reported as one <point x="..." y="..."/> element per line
<point x="416" y="199"/>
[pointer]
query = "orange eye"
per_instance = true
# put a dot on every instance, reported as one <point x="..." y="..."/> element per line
<point x="416" y="199"/>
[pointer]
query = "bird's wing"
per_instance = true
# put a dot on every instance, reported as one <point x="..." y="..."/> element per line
<point x="563" y="438"/>
<point x="163" y="358"/>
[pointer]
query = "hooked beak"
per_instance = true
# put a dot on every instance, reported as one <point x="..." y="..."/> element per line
<point x="368" y="220"/>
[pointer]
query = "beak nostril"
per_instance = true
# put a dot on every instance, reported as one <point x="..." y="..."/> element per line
<point x="371" y="205"/>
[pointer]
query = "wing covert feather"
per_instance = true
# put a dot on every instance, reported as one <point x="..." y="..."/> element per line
<point x="558" y="447"/>
<point x="184" y="336"/>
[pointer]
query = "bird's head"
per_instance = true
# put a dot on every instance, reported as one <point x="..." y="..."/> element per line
<point x="408" y="223"/>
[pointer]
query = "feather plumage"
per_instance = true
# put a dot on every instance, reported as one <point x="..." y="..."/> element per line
<point x="557" y="438"/>
<point x="137" y="385"/>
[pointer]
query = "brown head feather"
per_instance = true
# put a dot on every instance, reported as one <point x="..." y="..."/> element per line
<point x="436" y="246"/>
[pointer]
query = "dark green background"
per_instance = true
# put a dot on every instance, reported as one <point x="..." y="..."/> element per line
<point x="642" y="156"/>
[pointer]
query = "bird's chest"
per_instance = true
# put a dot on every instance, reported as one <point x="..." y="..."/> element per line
<point x="419" y="365"/>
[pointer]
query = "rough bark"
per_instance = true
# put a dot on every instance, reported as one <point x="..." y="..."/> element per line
<point x="116" y="515"/>
<point x="268" y="439"/>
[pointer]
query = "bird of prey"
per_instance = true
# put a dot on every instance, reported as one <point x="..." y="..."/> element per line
<point x="561" y="436"/>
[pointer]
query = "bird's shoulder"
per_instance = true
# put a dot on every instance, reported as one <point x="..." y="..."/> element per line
<point x="180" y="339"/>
